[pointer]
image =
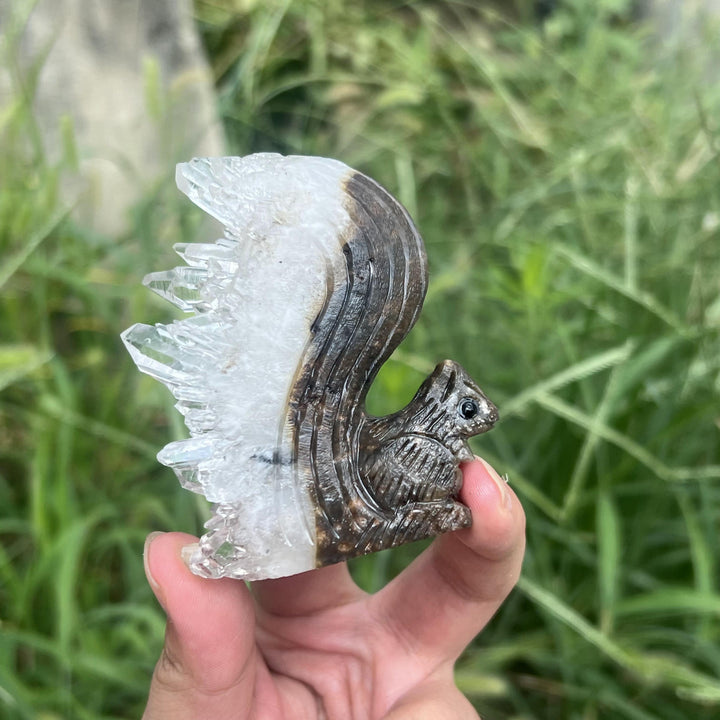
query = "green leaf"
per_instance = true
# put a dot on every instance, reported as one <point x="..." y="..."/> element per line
<point x="609" y="544"/>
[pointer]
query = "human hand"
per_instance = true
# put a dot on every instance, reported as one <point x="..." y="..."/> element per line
<point x="315" y="646"/>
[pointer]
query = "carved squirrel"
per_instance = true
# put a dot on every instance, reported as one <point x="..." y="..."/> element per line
<point x="320" y="275"/>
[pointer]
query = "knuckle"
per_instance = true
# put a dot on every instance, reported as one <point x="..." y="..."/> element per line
<point x="169" y="672"/>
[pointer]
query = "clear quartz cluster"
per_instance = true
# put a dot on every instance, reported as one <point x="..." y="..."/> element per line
<point x="251" y="297"/>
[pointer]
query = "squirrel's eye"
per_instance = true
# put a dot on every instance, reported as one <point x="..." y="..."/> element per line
<point x="468" y="408"/>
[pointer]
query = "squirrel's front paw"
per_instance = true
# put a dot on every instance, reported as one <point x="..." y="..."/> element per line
<point x="455" y="517"/>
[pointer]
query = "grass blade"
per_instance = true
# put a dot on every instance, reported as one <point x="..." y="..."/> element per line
<point x="15" y="262"/>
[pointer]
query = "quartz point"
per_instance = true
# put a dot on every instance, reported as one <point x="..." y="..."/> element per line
<point x="320" y="275"/>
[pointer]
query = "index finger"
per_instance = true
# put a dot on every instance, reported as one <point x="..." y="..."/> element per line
<point x="209" y="663"/>
<point x="443" y="599"/>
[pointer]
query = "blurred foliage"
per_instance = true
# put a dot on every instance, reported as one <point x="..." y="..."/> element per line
<point x="564" y="174"/>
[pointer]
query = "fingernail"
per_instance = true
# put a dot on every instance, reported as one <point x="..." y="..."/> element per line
<point x="500" y="483"/>
<point x="154" y="585"/>
<point x="188" y="553"/>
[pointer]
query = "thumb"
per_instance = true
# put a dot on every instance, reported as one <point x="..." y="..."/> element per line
<point x="208" y="665"/>
<point x="460" y="581"/>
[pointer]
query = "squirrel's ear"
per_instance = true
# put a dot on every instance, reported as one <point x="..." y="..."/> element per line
<point x="448" y="378"/>
<point x="438" y="378"/>
<point x="442" y="382"/>
<point x="445" y="368"/>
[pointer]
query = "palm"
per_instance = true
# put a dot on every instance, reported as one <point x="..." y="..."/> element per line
<point x="316" y="646"/>
<point x="349" y="662"/>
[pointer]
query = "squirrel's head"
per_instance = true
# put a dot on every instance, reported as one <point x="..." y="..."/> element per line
<point x="464" y="408"/>
<point x="453" y="388"/>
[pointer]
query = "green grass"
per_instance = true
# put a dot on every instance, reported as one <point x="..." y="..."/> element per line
<point x="566" y="181"/>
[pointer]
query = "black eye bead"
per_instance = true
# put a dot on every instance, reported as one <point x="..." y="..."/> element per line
<point x="468" y="408"/>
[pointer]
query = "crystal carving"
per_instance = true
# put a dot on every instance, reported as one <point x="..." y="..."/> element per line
<point x="320" y="275"/>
